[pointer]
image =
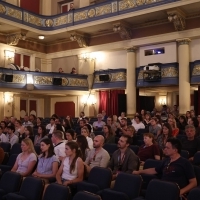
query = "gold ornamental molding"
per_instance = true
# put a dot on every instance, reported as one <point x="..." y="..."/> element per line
<point x="132" y="49"/>
<point x="81" y="39"/>
<point x="124" y="30"/>
<point x="17" y="78"/>
<point x="77" y="82"/>
<point x="13" y="39"/>
<point x="43" y="80"/>
<point x="183" y="41"/>
<point x="114" y="77"/>
<point x="196" y="70"/>
<point x="177" y="17"/>
<point x="169" y="72"/>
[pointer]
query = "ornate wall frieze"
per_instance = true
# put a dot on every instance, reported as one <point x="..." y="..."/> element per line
<point x="124" y="30"/>
<point x="77" y="82"/>
<point x="37" y="21"/>
<point x="183" y="41"/>
<point x="17" y="78"/>
<point x="81" y="39"/>
<point x="60" y="21"/>
<point x="103" y="10"/>
<point x="196" y="70"/>
<point x="169" y="72"/>
<point x="43" y="80"/>
<point x="177" y="17"/>
<point x="78" y="16"/>
<point x="13" y="39"/>
<point x="14" y="13"/>
<point x="2" y="9"/>
<point x="114" y="77"/>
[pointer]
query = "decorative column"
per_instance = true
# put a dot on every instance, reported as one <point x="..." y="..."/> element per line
<point x="131" y="81"/>
<point x="184" y="74"/>
<point x="46" y="7"/>
<point x="46" y="65"/>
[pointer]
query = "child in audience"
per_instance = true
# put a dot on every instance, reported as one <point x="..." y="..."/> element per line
<point x="26" y="160"/>
<point x="72" y="168"/>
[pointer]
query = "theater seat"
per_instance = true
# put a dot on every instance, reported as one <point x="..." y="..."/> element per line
<point x="7" y="186"/>
<point x="16" y="149"/>
<point x="99" y="179"/>
<point x="86" y="196"/>
<point x="9" y="165"/>
<point x="127" y="186"/>
<point x="31" y="189"/>
<point x="194" y="194"/>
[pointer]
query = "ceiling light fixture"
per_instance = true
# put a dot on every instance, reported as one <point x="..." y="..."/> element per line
<point x="41" y="37"/>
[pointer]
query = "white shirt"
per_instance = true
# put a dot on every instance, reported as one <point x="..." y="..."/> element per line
<point x="90" y="142"/>
<point x="137" y="126"/>
<point x="50" y="127"/>
<point x="59" y="149"/>
<point x="3" y="138"/>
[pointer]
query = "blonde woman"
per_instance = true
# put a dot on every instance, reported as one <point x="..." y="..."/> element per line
<point x="85" y="132"/>
<point x="175" y="130"/>
<point x="26" y="160"/>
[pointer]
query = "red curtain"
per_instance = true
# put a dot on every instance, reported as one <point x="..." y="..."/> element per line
<point x="31" y="5"/>
<point x="26" y="61"/>
<point x="17" y="59"/>
<point x="114" y="101"/>
<point x="104" y="101"/>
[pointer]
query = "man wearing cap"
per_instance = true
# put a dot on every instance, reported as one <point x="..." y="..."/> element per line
<point x="12" y="138"/>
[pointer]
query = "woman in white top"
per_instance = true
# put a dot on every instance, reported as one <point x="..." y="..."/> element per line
<point x="3" y="137"/>
<point x="72" y="168"/>
<point x="85" y="132"/>
<point x="137" y="123"/>
<point x="26" y="160"/>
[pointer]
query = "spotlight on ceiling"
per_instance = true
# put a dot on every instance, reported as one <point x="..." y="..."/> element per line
<point x="41" y="37"/>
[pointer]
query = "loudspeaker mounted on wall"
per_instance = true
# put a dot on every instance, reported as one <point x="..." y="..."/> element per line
<point x="57" y="81"/>
<point x="7" y="77"/>
<point x="104" y="77"/>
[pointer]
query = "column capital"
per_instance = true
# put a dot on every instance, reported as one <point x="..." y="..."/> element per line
<point x="131" y="49"/>
<point x="183" y="41"/>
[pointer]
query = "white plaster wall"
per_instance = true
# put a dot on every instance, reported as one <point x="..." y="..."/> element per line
<point x="110" y="60"/>
<point x="194" y="50"/>
<point x="169" y="56"/>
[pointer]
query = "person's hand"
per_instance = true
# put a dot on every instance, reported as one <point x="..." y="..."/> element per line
<point x="67" y="183"/>
<point x="35" y="174"/>
<point x="59" y="182"/>
<point x="136" y="172"/>
<point x="141" y="163"/>
<point x="183" y="197"/>
<point x="191" y="159"/>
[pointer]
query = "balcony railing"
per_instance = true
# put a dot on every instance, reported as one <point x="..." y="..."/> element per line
<point x="78" y="16"/>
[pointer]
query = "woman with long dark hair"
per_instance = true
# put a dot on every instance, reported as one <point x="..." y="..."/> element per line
<point x="47" y="166"/>
<point x="41" y="135"/>
<point x="72" y="168"/>
<point x="83" y="144"/>
<point x="68" y="123"/>
<point x="108" y="134"/>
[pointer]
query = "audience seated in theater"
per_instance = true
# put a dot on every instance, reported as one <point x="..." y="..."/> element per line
<point x="32" y="119"/>
<point x="188" y="116"/>
<point x="6" y="120"/>
<point x="12" y="138"/>
<point x="81" y="116"/>
<point x="123" y="115"/>
<point x="58" y="125"/>
<point x="27" y="122"/>
<point x="54" y="116"/>
<point x="175" y="130"/>
<point x="82" y="123"/>
<point x="26" y="160"/>
<point x="29" y="133"/>
<point x="40" y="136"/>
<point x="70" y="135"/>
<point x="104" y="116"/>
<point x="192" y="113"/>
<point x="59" y="145"/>
<point x="50" y="127"/>
<point x="112" y="124"/>
<point x="190" y="143"/>
<point x="154" y="128"/>
<point x="68" y="123"/>
<point x="85" y="132"/>
<point x="72" y="168"/>
<point x="3" y="137"/>
<point x="147" y="121"/>
<point x="193" y="122"/>
<point x="174" y="168"/>
<point x="3" y="125"/>
<point x="122" y="127"/>
<point x="123" y="159"/>
<point x="182" y="123"/>
<point x="99" y="123"/>
<point x="19" y="129"/>
<point x="38" y="122"/>
<point x="131" y="132"/>
<point x="175" y="111"/>
<point x="98" y="156"/>
<point x="142" y="114"/>
<point x="73" y="69"/>
<point x="91" y="134"/>
<point x="108" y="134"/>
<point x="83" y="145"/>
<point x="165" y="134"/>
<point x="149" y="150"/>
<point x="47" y="166"/>
<point x="137" y="123"/>
<point x="13" y="119"/>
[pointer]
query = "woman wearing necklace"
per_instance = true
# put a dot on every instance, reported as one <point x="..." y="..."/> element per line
<point x="72" y="168"/>
<point x="149" y="150"/>
<point x="47" y="166"/>
<point x="26" y="160"/>
<point x="41" y="135"/>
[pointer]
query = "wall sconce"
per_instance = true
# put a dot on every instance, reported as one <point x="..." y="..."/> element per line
<point x="8" y="98"/>
<point x="9" y="55"/>
<point x="29" y="82"/>
<point x="162" y="100"/>
<point x="91" y="100"/>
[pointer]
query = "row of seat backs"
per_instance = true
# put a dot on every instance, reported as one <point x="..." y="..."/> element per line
<point x="31" y="188"/>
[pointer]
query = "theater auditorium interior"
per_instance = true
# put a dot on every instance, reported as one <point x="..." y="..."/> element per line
<point x="99" y="99"/>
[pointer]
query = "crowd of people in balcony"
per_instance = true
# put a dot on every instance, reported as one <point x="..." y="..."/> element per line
<point x="71" y="147"/>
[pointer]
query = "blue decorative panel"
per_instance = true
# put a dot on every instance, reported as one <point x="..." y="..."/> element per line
<point x="195" y="72"/>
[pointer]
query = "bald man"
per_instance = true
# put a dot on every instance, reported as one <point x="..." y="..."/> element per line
<point x="97" y="157"/>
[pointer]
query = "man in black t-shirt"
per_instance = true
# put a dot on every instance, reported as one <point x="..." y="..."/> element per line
<point x="175" y="168"/>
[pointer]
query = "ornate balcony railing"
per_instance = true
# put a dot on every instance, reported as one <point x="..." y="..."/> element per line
<point x="78" y="16"/>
